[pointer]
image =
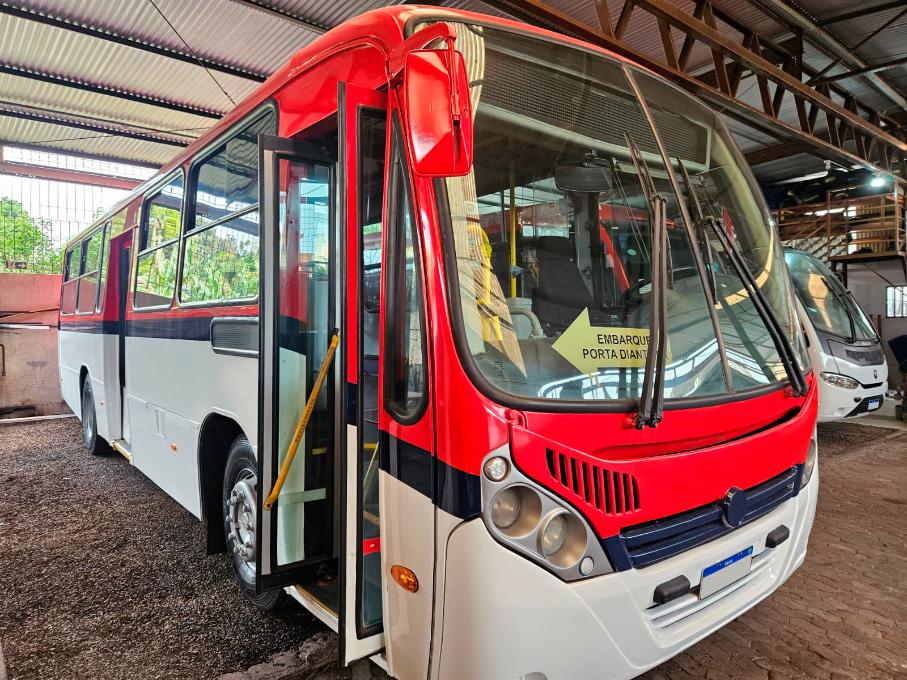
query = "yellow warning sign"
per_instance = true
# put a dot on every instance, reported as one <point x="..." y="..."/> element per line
<point x="591" y="348"/>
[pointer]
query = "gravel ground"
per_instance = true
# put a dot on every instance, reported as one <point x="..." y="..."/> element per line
<point x="836" y="439"/>
<point x="104" y="576"/>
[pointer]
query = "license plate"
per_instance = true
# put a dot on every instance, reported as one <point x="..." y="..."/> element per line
<point x="724" y="573"/>
<point x="873" y="404"/>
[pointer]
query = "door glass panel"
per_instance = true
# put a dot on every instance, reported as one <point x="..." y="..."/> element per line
<point x="304" y="507"/>
<point x="372" y="127"/>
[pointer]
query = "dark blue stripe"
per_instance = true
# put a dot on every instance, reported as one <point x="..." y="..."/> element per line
<point x="173" y="328"/>
<point x="453" y="490"/>
<point x="92" y="326"/>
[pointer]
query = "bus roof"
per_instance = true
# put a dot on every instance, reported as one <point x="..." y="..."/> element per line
<point x="385" y="27"/>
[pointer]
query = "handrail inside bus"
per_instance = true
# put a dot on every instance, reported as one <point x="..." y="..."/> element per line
<point x="303" y="422"/>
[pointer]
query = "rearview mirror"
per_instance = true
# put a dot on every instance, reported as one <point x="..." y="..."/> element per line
<point x="438" y="111"/>
<point x="584" y="178"/>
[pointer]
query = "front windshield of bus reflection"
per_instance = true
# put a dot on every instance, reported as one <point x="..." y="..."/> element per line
<point x="552" y="235"/>
<point x="826" y="301"/>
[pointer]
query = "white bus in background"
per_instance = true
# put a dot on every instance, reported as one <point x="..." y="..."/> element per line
<point x="845" y="349"/>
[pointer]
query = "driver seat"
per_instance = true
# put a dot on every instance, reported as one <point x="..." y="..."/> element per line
<point x="561" y="293"/>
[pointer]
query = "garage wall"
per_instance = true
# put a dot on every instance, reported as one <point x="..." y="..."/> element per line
<point x="29" y="375"/>
<point x="868" y="289"/>
<point x="31" y="384"/>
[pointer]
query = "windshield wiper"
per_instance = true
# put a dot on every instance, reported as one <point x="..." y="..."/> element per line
<point x="699" y="222"/>
<point x="651" y="402"/>
<point x="785" y="351"/>
<point x="845" y="303"/>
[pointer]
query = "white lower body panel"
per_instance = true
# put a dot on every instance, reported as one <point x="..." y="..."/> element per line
<point x="836" y="402"/>
<point x="506" y="617"/>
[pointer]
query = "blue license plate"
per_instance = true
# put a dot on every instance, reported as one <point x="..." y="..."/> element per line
<point x="873" y="404"/>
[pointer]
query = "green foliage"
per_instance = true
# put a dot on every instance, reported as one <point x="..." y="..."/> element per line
<point x="24" y="239"/>
<point x="156" y="276"/>
<point x="221" y="264"/>
<point x="163" y="224"/>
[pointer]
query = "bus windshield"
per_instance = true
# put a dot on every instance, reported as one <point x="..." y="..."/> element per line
<point x="827" y="302"/>
<point x="551" y="234"/>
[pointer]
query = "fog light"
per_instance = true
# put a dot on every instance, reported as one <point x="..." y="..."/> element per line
<point x="586" y="566"/>
<point x="553" y="535"/>
<point x="496" y="468"/>
<point x="505" y="508"/>
<point x="839" y="380"/>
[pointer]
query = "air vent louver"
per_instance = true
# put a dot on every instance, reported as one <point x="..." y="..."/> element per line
<point x="612" y="493"/>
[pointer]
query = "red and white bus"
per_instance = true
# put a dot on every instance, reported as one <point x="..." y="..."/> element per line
<point x="569" y="428"/>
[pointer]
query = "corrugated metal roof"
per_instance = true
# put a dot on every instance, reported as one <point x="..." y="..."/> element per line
<point x="227" y="32"/>
<point x="19" y="89"/>
<point x="81" y="141"/>
<point x="889" y="44"/>
<point x="258" y="36"/>
<point x="54" y="50"/>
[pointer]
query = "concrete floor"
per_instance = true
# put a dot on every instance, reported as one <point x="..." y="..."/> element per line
<point x="884" y="417"/>
<point x="105" y="577"/>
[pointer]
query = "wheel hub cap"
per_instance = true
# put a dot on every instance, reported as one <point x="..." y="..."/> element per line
<point x="241" y="517"/>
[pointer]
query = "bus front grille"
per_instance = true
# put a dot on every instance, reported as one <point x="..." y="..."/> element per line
<point x="651" y="542"/>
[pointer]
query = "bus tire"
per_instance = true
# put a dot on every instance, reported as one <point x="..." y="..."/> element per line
<point x="93" y="441"/>
<point x="240" y="505"/>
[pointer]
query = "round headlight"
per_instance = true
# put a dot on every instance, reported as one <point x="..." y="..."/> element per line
<point x="553" y="535"/>
<point x="505" y="508"/>
<point x="496" y="468"/>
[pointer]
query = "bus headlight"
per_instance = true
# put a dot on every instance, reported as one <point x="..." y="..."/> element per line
<point x="553" y="535"/>
<point x="810" y="465"/>
<point x="563" y="540"/>
<point x="536" y="523"/>
<point x="505" y="508"/>
<point x="839" y="380"/>
<point x="515" y="510"/>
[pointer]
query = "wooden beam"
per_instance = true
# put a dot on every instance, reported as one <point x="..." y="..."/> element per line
<point x="775" y="152"/>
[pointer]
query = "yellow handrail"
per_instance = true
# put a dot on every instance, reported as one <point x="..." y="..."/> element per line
<point x="303" y="422"/>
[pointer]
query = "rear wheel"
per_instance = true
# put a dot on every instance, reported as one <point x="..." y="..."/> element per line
<point x="93" y="442"/>
<point x="240" y="507"/>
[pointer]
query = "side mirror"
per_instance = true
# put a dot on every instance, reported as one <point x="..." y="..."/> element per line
<point x="438" y="112"/>
<point x="584" y="178"/>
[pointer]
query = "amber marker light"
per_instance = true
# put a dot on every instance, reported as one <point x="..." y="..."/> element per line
<point x="405" y="578"/>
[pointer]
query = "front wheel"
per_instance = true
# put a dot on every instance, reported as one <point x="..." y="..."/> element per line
<point x="93" y="442"/>
<point x="240" y="508"/>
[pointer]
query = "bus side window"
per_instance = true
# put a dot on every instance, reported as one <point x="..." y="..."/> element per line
<point x="70" y="279"/>
<point x="372" y="141"/>
<point x="220" y="259"/>
<point x="159" y="246"/>
<point x="102" y="280"/>
<point x="405" y="392"/>
<point x="88" y="282"/>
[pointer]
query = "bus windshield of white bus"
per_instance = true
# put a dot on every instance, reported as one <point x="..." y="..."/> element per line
<point x="827" y="302"/>
<point x="550" y="236"/>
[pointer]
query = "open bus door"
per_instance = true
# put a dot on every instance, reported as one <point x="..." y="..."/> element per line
<point x="320" y="539"/>
<point x="298" y="310"/>
<point x="119" y="268"/>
